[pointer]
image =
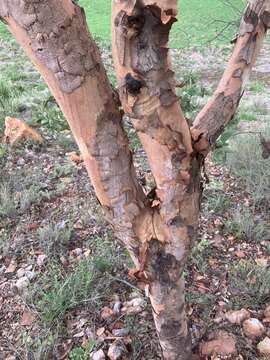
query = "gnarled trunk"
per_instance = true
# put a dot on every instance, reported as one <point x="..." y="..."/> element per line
<point x="140" y="32"/>
<point x="158" y="230"/>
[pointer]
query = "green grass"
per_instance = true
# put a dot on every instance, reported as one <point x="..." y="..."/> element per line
<point x="198" y="22"/>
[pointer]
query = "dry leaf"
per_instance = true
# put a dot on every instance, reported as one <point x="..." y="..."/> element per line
<point x="240" y="254"/>
<point x="237" y="317"/>
<point x="72" y="156"/>
<point x="27" y="318"/>
<point x="263" y="262"/>
<point x="17" y="130"/>
<point x="267" y="312"/>
<point x="107" y="313"/>
<point x="264" y="346"/>
<point x="100" y="331"/>
<point x="11" y="268"/>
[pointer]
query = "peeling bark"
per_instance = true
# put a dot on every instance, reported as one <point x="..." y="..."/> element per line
<point x="147" y="91"/>
<point x="158" y="230"/>
<point x="222" y="106"/>
<point x="54" y="34"/>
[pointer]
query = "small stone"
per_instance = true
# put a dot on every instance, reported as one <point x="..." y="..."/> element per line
<point x="77" y="252"/>
<point x="224" y="344"/>
<point x="41" y="259"/>
<point x="253" y="328"/>
<point x="117" y="307"/>
<point x="20" y="273"/>
<point x="116" y="351"/>
<point x="21" y="162"/>
<point x="120" y="332"/>
<point x="22" y="283"/>
<point x="264" y="346"/>
<point x="98" y="355"/>
<point x="30" y="275"/>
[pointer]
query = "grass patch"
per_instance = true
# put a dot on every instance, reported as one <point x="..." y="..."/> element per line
<point x="245" y="160"/>
<point x="54" y="239"/>
<point x="249" y="285"/>
<point x="214" y="199"/>
<point x="7" y="201"/>
<point x="67" y="291"/>
<point x="244" y="225"/>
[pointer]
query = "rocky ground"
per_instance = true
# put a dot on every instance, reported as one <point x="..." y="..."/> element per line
<point x="65" y="292"/>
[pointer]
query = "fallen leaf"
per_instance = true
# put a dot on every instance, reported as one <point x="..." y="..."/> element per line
<point x="17" y="130"/>
<point x="27" y="318"/>
<point x="237" y="317"/>
<point x="240" y="254"/>
<point x="11" y="268"/>
<point x="267" y="312"/>
<point x="263" y="262"/>
<point x="100" y="331"/>
<point x="264" y="346"/>
<point x="107" y="313"/>
<point x="72" y="156"/>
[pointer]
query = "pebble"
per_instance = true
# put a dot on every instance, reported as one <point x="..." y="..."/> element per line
<point x="253" y="328"/>
<point x="20" y="273"/>
<point x="98" y="355"/>
<point x="22" y="283"/>
<point x="117" y="307"/>
<point x="116" y="351"/>
<point x="41" y="259"/>
<point x="30" y="275"/>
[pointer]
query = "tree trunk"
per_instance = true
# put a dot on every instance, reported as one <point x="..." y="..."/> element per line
<point x="146" y="81"/>
<point x="54" y="35"/>
<point x="158" y="230"/>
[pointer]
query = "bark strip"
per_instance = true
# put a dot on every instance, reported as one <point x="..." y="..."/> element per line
<point x="222" y="106"/>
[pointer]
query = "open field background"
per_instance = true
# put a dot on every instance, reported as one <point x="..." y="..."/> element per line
<point x="198" y="23"/>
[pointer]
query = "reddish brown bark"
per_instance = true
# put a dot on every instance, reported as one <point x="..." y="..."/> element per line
<point x="157" y="232"/>
<point x="146" y="84"/>
<point x="54" y="34"/>
<point x="222" y="106"/>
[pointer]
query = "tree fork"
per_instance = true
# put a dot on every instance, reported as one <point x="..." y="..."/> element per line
<point x="158" y="232"/>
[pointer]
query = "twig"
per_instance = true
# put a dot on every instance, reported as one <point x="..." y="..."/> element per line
<point x="126" y="283"/>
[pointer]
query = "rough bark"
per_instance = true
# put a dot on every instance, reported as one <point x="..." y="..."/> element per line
<point x="146" y="85"/>
<point x="54" y="34"/>
<point x="158" y="230"/>
<point x="222" y="106"/>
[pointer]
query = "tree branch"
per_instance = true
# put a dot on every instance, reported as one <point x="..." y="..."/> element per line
<point x="55" y="36"/>
<point x="222" y="106"/>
